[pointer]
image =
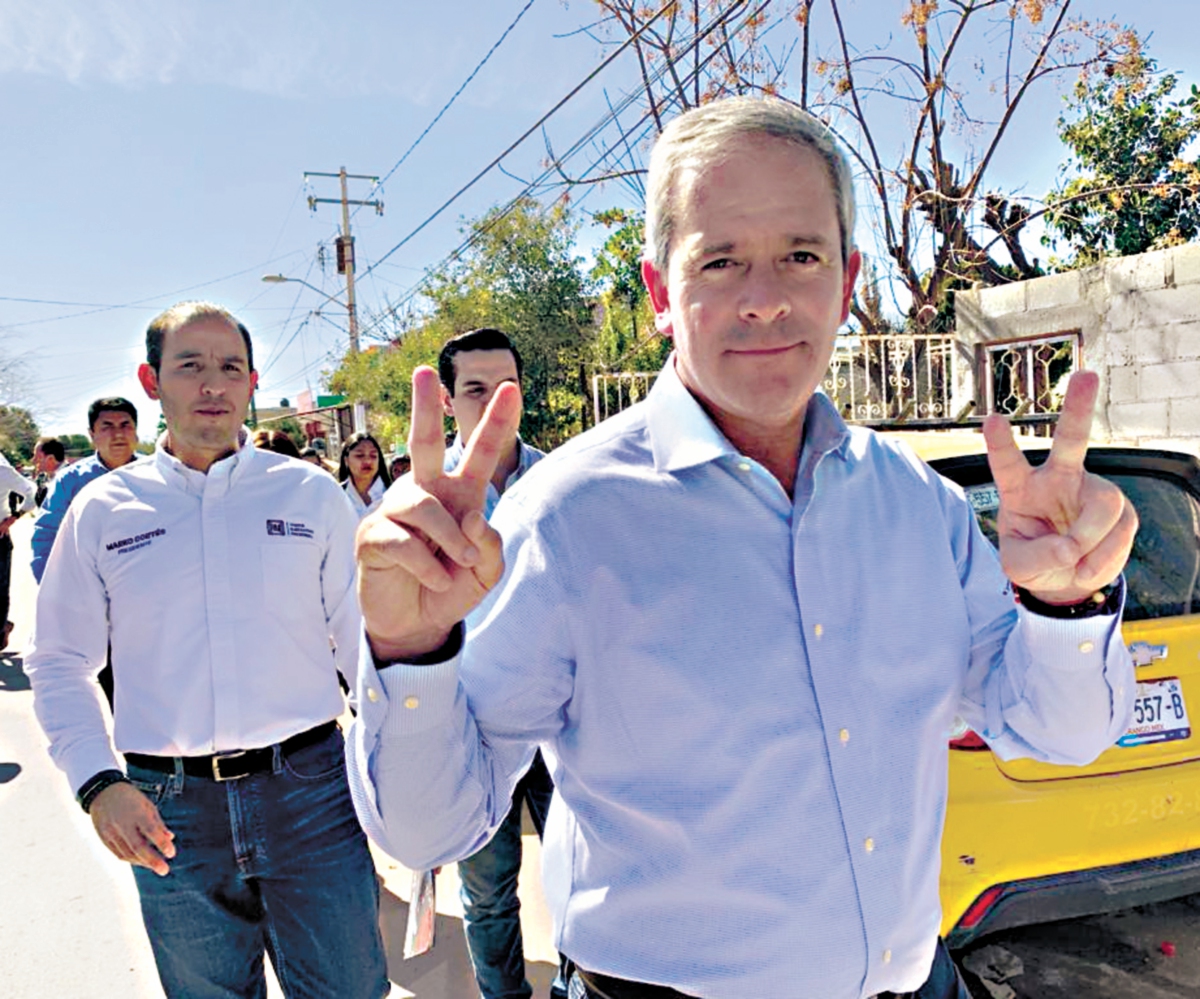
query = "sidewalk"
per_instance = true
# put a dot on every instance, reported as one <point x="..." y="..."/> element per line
<point x="69" y="919"/>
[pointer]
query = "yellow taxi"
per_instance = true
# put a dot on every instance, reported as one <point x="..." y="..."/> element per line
<point x="1029" y="842"/>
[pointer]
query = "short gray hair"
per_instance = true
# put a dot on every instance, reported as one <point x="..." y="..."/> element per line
<point x="698" y="135"/>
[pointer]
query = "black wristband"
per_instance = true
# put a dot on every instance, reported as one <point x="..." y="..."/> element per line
<point x="95" y="784"/>
<point x="444" y="653"/>
<point x="1106" y="600"/>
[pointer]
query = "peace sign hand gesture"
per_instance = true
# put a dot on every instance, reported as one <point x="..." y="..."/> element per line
<point x="1064" y="532"/>
<point x="427" y="557"/>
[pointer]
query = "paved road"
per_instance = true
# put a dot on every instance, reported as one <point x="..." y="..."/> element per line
<point x="69" y="919"/>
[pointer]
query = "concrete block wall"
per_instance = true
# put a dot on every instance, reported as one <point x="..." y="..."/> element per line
<point x="1140" y="323"/>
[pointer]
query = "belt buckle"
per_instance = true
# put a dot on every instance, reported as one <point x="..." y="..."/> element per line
<point x="216" y="764"/>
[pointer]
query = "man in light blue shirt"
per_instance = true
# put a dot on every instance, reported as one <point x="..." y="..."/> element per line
<point x="112" y="424"/>
<point x="741" y="630"/>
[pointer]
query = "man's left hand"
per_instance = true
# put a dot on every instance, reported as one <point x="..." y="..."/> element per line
<point x="5" y="524"/>
<point x="1064" y="532"/>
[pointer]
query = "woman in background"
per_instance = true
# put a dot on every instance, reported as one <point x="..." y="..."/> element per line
<point x="363" y="473"/>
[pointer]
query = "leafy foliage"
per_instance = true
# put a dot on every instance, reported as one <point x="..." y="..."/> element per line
<point x="521" y="275"/>
<point x="18" y="433"/>
<point x="1133" y="190"/>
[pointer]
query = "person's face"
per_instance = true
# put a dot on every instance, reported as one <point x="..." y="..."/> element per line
<point x="41" y="461"/>
<point x="755" y="288"/>
<point x="114" y="436"/>
<point x="477" y="375"/>
<point x="401" y="467"/>
<point x="204" y="386"/>
<point x="363" y="462"/>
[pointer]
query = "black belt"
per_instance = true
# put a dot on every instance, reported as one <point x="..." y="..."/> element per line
<point x="236" y="763"/>
<point x="607" y="987"/>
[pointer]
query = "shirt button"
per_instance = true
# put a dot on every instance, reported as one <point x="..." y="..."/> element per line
<point x="744" y="466"/>
<point x="411" y="703"/>
<point x="818" y="630"/>
<point x="1086" y="647"/>
<point x="844" y="735"/>
<point x="372" y="695"/>
<point x="887" y="957"/>
<point x="869" y="845"/>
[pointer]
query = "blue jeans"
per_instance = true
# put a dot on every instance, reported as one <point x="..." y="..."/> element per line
<point x="491" y="909"/>
<point x="271" y="863"/>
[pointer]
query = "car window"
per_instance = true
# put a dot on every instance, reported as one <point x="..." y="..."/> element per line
<point x="1162" y="578"/>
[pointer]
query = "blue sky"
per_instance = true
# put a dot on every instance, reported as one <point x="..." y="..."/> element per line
<point x="154" y="150"/>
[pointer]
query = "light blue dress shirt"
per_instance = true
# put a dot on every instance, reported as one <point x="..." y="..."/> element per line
<point x="67" y="484"/>
<point x="529" y="456"/>
<point x="744" y="699"/>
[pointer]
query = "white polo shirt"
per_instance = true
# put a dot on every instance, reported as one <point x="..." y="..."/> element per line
<point x="229" y="600"/>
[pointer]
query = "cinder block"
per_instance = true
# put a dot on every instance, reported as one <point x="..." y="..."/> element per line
<point x="1003" y="300"/>
<point x="1163" y="306"/>
<point x="1170" y="381"/>
<point x="1181" y="342"/>
<point x="1123" y="385"/>
<point x="1123" y="311"/>
<point x="1121" y="347"/>
<point x="1185" y="417"/>
<point x="1142" y="272"/>
<point x="1138" y="419"/>
<point x="1053" y="291"/>
<point x="1187" y="263"/>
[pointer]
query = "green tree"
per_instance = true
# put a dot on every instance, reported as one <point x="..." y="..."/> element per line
<point x="626" y="339"/>
<point x="521" y="274"/>
<point x="18" y="433"/>
<point x="76" y="445"/>
<point x="1131" y="188"/>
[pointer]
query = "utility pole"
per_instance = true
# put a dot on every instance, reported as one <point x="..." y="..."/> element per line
<point x="345" y="242"/>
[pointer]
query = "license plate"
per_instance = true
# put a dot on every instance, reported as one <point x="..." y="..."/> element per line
<point x="1159" y="714"/>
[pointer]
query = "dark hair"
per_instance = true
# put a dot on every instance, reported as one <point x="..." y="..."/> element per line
<point x="112" y="404"/>
<point x="381" y="469"/>
<point x="277" y="441"/>
<point x="480" y="339"/>
<point x="52" y="448"/>
<point x="182" y="314"/>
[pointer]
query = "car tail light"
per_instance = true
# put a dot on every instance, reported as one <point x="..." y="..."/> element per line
<point x="963" y="737"/>
<point x="980" y="907"/>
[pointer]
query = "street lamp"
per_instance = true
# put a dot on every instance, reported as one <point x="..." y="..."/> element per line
<point x="358" y="412"/>
<point x="349" y="307"/>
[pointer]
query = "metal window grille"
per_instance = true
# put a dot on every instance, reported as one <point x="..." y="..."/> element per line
<point x="1029" y="377"/>
<point x="893" y="379"/>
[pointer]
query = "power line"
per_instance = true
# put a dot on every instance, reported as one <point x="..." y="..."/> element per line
<point x="588" y="136"/>
<point x="457" y="93"/>
<point x="532" y="128"/>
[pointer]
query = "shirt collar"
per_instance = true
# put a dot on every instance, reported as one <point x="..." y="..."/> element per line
<point x="526" y="459"/>
<point x="682" y="435"/>
<point x="227" y="470"/>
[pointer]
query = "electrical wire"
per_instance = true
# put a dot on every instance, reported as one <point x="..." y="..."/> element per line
<point x="446" y="107"/>
<point x="532" y="128"/>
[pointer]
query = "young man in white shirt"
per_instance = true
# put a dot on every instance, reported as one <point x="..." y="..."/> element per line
<point x="222" y="576"/>
<point x="16" y="497"/>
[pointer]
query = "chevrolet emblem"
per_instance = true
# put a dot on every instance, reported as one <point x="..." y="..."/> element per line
<point x="1144" y="653"/>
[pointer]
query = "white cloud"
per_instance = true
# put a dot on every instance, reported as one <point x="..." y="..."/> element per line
<point x="284" y="49"/>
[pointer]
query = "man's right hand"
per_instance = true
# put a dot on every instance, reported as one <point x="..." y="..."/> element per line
<point x="130" y="826"/>
<point x="427" y="557"/>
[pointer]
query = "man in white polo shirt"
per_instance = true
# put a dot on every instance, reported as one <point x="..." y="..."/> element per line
<point x="223" y="577"/>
